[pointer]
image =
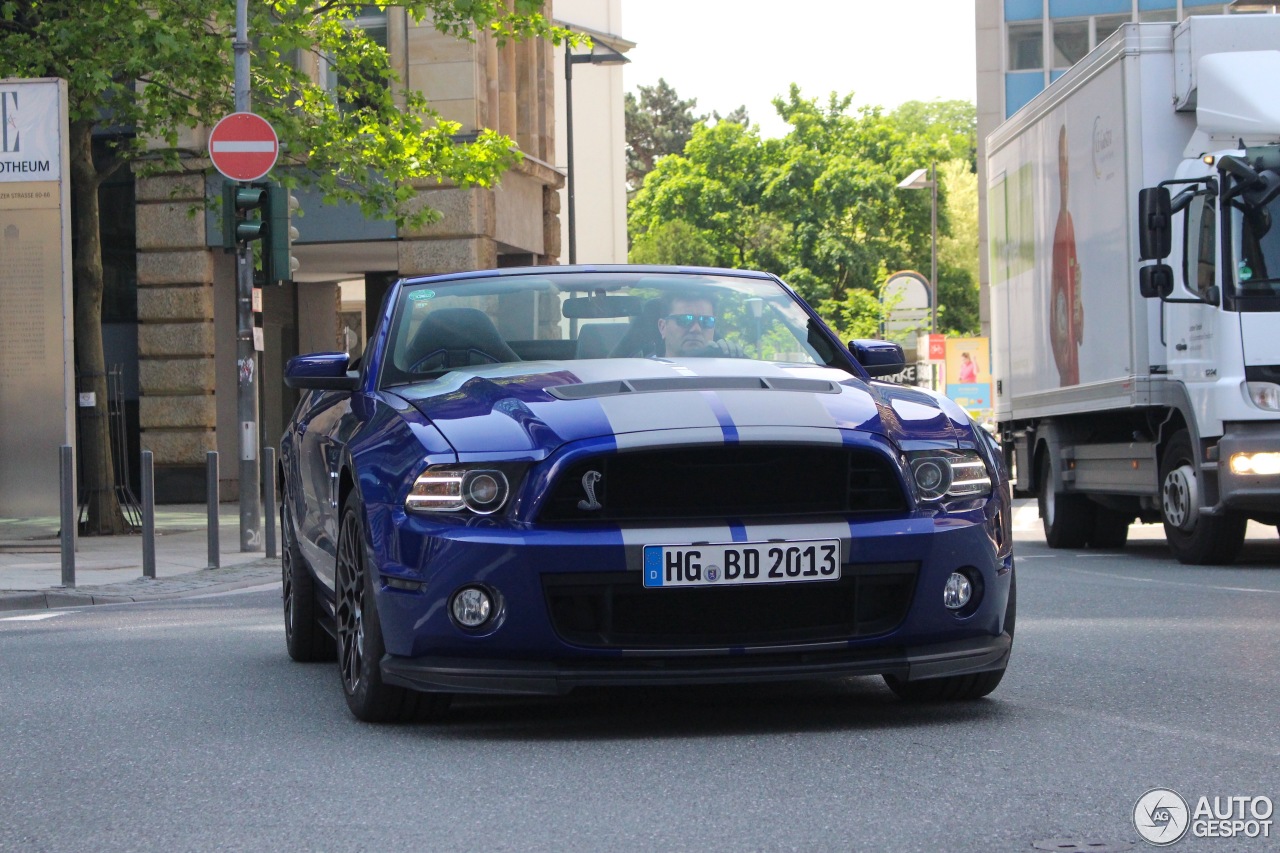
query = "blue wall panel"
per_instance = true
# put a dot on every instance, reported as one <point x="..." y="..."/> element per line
<point x="1152" y="5"/>
<point x="1079" y="8"/>
<point x="1023" y="10"/>
<point x="1020" y="87"/>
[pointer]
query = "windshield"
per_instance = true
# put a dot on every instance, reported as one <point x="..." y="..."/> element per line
<point x="1256" y="249"/>
<point x="472" y="322"/>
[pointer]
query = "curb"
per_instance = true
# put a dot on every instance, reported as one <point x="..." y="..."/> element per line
<point x="200" y="582"/>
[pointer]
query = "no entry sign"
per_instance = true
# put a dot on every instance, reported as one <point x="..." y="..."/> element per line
<point x="243" y="146"/>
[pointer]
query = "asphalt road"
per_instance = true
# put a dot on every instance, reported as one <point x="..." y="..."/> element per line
<point x="184" y="726"/>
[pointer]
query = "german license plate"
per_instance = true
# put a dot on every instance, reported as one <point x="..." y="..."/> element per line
<point x="740" y="563"/>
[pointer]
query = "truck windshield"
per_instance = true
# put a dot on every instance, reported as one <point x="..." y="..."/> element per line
<point x="1255" y="238"/>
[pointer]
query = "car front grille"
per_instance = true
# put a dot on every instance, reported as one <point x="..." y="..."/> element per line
<point x="735" y="481"/>
<point x="614" y="610"/>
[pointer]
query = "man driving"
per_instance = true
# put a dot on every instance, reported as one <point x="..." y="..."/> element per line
<point x="688" y="326"/>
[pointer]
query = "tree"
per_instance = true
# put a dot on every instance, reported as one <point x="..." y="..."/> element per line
<point x="958" y="251"/>
<point x="658" y="123"/>
<point x="159" y="67"/>
<point x="820" y="206"/>
<point x="955" y="123"/>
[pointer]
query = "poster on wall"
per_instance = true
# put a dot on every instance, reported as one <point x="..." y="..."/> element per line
<point x="36" y="371"/>
<point x="968" y="373"/>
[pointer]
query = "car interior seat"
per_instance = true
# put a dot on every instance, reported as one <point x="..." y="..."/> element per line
<point x="456" y="337"/>
<point x="597" y="340"/>
<point x="641" y="338"/>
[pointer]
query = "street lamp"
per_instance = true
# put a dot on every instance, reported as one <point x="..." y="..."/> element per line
<point x="601" y="54"/>
<point x="922" y="179"/>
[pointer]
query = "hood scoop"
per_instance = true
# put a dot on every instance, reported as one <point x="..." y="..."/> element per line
<point x="613" y="388"/>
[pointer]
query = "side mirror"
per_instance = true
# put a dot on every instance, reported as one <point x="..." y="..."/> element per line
<point x="322" y="371"/>
<point x="878" y="358"/>
<point x="1155" y="217"/>
<point x="1155" y="281"/>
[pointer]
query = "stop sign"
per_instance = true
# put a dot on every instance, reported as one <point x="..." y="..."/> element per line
<point x="243" y="146"/>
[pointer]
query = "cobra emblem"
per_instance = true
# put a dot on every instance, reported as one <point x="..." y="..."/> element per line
<point x="589" y="481"/>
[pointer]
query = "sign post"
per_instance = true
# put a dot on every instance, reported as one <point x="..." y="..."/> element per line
<point x="244" y="147"/>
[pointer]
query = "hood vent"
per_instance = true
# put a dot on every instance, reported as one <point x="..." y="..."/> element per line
<point x="593" y="390"/>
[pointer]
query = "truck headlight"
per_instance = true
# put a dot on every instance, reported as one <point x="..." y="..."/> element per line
<point x="1264" y="395"/>
<point x="1255" y="463"/>
<point x="449" y="488"/>
<point x="941" y="474"/>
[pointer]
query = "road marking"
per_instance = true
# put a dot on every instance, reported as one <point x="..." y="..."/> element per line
<point x="1176" y="583"/>
<point x="1169" y="733"/>
<point x="34" y="617"/>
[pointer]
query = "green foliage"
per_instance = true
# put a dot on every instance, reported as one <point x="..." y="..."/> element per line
<point x="659" y="123"/>
<point x="164" y="67"/>
<point x="674" y="243"/>
<point x="953" y="125"/>
<point x="820" y="206"/>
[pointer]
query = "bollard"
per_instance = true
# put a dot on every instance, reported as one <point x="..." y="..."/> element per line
<point x="148" y="515"/>
<point x="67" y="476"/>
<point x="211" y="501"/>
<point x="269" y="500"/>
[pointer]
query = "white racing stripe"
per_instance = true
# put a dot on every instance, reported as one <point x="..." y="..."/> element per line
<point x="766" y="408"/>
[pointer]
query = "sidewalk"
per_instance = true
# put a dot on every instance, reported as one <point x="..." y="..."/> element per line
<point x="109" y="568"/>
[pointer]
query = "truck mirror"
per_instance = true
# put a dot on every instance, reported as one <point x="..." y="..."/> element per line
<point x="1155" y="216"/>
<point x="1264" y="191"/>
<point x="1155" y="281"/>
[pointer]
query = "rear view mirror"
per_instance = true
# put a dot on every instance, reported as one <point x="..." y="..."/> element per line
<point x="878" y="358"/>
<point x="1155" y="216"/>
<point x="601" y="307"/>
<point x="1155" y="281"/>
<point x="323" y="371"/>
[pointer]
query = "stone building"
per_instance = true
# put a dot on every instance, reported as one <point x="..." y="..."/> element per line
<point x="185" y="380"/>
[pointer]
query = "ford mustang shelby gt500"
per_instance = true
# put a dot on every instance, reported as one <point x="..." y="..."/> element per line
<point x="537" y="479"/>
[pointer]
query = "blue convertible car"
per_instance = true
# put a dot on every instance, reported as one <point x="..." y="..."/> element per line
<point x="537" y="479"/>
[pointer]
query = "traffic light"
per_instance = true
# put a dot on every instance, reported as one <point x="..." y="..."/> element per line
<point x="238" y="204"/>
<point x="274" y="205"/>
<point x="278" y="262"/>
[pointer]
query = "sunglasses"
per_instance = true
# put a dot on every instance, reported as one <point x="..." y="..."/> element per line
<point x="684" y="321"/>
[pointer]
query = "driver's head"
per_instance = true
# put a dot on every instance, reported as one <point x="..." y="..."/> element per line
<point x="688" y="327"/>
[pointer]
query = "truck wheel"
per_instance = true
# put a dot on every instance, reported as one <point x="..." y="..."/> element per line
<point x="1110" y="528"/>
<point x="1195" y="538"/>
<point x="1067" y="518"/>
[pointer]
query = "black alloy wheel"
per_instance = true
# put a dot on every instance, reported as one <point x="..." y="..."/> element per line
<point x="304" y="636"/>
<point x="360" y="645"/>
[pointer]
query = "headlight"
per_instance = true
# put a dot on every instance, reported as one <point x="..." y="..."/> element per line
<point x="1265" y="464"/>
<point x="1264" y="395"/>
<point x="943" y="474"/>
<point x="452" y="489"/>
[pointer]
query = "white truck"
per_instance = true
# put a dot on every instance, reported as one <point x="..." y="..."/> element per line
<point x="1135" y="287"/>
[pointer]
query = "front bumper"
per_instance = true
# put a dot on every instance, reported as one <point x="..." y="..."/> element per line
<point x="1248" y="492"/>
<point x="706" y="666"/>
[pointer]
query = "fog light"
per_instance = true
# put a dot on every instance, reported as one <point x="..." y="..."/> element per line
<point x="471" y="607"/>
<point x="1255" y="463"/>
<point x="957" y="592"/>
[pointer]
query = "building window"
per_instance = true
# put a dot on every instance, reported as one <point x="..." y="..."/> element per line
<point x="1105" y="25"/>
<point x="1070" y="42"/>
<point x="1026" y="46"/>
<point x="373" y="21"/>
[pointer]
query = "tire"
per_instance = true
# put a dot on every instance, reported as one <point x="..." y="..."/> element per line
<point x="360" y="645"/>
<point x="958" y="688"/>
<point x="304" y="636"/>
<point x="1067" y="518"/>
<point x="1195" y="539"/>
<point x="1110" y="528"/>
